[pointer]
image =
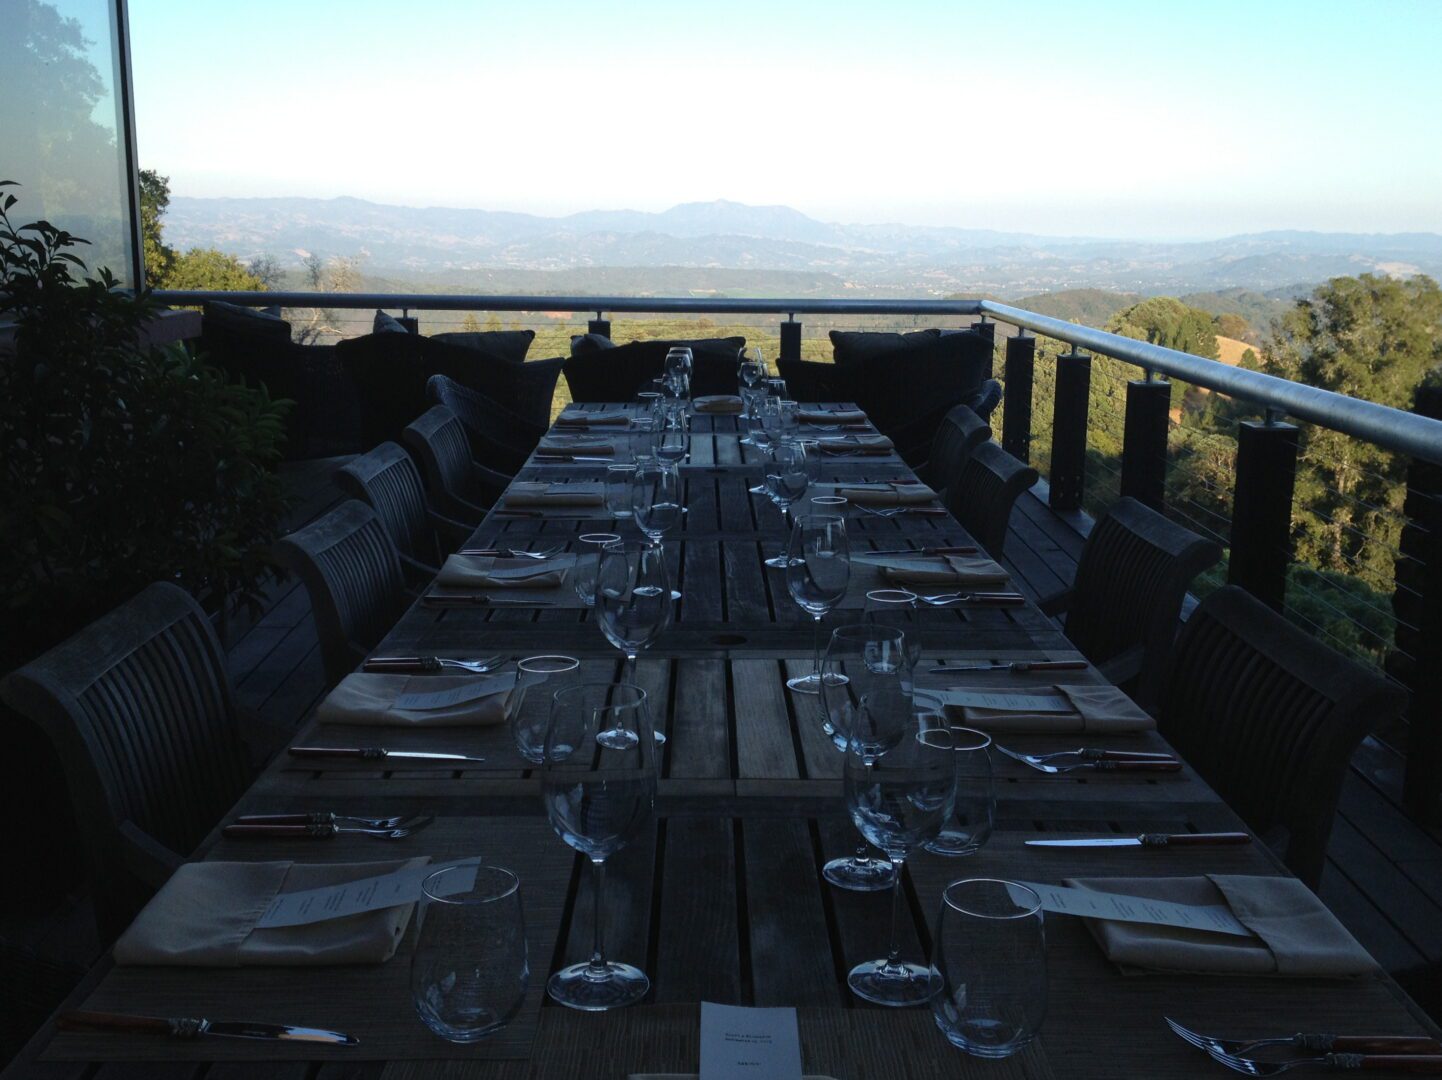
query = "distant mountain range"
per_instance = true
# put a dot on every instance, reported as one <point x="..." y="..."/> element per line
<point x="719" y="247"/>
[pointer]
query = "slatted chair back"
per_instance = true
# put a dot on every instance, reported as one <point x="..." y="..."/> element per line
<point x="439" y="442"/>
<point x="1130" y="583"/>
<point x="140" y="710"/>
<point x="351" y="570"/>
<point x="1270" y="717"/>
<point x="982" y="493"/>
<point x="499" y="438"/>
<point x="961" y="431"/>
<point x="388" y="482"/>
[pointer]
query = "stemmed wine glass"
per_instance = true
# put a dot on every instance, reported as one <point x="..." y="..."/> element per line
<point x="900" y="788"/>
<point x="656" y="498"/>
<point x="751" y="370"/>
<point x="786" y="482"/>
<point x="598" y="781"/>
<point x="818" y="568"/>
<point x="678" y="370"/>
<point x="633" y="599"/>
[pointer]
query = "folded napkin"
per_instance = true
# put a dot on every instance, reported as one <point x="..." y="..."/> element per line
<point x="593" y="419"/>
<point x="205" y="916"/>
<point x="1095" y="710"/>
<point x="524" y="493"/>
<point x="822" y="416"/>
<point x="887" y="494"/>
<point x="575" y="444"/>
<point x="718" y="403"/>
<point x="488" y="572"/>
<point x="1295" y="933"/>
<point x="969" y="570"/>
<point x="857" y="444"/>
<point x="368" y="698"/>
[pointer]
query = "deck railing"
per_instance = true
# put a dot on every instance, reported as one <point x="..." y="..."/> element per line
<point x="1095" y="412"/>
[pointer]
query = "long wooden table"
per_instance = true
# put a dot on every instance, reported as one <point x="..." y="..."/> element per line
<point x="722" y="899"/>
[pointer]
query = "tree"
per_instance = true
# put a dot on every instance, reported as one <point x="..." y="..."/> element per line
<point x="198" y="268"/>
<point x="338" y="276"/>
<point x="206" y="268"/>
<point x="268" y="269"/>
<point x="154" y="201"/>
<point x="1232" y="325"/>
<point x="1166" y="321"/>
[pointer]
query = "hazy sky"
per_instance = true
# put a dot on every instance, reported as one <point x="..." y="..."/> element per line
<point x="1105" y="117"/>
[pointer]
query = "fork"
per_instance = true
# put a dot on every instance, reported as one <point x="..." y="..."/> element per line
<point x="1091" y="754"/>
<point x="318" y="819"/>
<point x="1395" y="1044"/>
<point x="1169" y="764"/>
<point x="432" y="663"/>
<point x="403" y="829"/>
<point x="516" y="553"/>
<point x="1430" y="1064"/>
<point x="942" y="599"/>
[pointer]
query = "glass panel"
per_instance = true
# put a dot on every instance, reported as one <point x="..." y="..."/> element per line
<point x="61" y="124"/>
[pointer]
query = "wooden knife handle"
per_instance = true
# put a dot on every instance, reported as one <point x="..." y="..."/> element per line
<point x="1127" y="755"/>
<point x="1417" y="1064"/>
<point x="1132" y="765"/>
<point x="1382" y="1044"/>
<point x="950" y="551"/>
<point x="278" y="832"/>
<point x="402" y="664"/>
<point x="998" y="599"/>
<point x="1049" y="665"/>
<point x="103" y="1021"/>
<point x="336" y="752"/>
<point x="1194" y="839"/>
<point x="284" y="819"/>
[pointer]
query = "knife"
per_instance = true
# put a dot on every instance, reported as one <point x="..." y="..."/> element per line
<point x="1151" y="840"/>
<point x="924" y="551"/>
<point x="375" y="753"/>
<point x="477" y="600"/>
<point x="181" y="1027"/>
<point x="1016" y="665"/>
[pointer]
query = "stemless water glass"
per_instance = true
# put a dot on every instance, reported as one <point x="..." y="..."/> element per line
<point x="656" y="498"/>
<point x="469" y="970"/>
<point x="672" y="439"/>
<point x="818" y="568"/>
<point x="786" y="482"/>
<point x="619" y="481"/>
<point x="970" y="825"/>
<point x="588" y="561"/>
<point x="990" y="956"/>
<point x="642" y="437"/>
<point x="529" y="719"/>
<point x="790" y="425"/>
<point x="633" y="596"/>
<point x="650" y="403"/>
<point x="897" y="608"/>
<point x="599" y="786"/>
<point x="900" y="785"/>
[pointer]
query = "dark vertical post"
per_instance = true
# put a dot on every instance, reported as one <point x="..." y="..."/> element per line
<point x="791" y="339"/>
<point x="412" y="325"/>
<point x="1262" y="509"/>
<point x="1016" y="405"/>
<point x="1144" y="441"/>
<point x="1069" y="430"/>
<point x="987" y="330"/>
<point x="599" y="325"/>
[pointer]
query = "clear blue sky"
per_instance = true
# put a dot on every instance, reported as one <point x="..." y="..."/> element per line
<point x="1105" y="117"/>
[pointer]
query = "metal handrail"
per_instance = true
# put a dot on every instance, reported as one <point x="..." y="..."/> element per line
<point x="1392" y="429"/>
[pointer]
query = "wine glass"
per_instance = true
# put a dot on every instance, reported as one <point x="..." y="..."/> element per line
<point x="656" y="498"/>
<point x="862" y="662"/>
<point x="900" y="784"/>
<point x="753" y="367"/>
<point x="786" y="482"/>
<point x="599" y="786"/>
<point x="633" y="596"/>
<point x="818" y="568"/>
<point x="969" y="827"/>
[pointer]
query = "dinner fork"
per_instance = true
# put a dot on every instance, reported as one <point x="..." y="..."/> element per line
<point x="1430" y="1064"/>
<point x="1395" y="1044"/>
<point x="1105" y="765"/>
<point x="432" y="663"/>
<point x="1087" y="754"/>
<point x="325" y="832"/>
<point x="942" y="599"/>
<point x="318" y="819"/>
<point x="516" y="553"/>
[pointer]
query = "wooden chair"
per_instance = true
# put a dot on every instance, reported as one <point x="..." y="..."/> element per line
<point x="140" y="710"/>
<point x="982" y="494"/>
<point x="961" y="431"/>
<point x="388" y="482"/>
<point x="1125" y="603"/>
<point x="1270" y="717"/>
<point x="500" y="439"/>
<point x="351" y="570"/>
<point x="459" y="487"/>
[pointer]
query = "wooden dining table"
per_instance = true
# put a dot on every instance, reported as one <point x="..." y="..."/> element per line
<point x="721" y="899"/>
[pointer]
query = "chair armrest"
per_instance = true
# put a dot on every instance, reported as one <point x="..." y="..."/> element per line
<point x="145" y="857"/>
<point x="1056" y="603"/>
<point x="1125" y="666"/>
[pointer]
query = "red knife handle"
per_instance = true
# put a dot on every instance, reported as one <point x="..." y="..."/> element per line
<point x="949" y="551"/>
<point x="103" y="1021"/>
<point x="1194" y="839"/>
<point x="337" y="751"/>
<point x="1049" y="665"/>
<point x="1126" y="755"/>
<point x="278" y="832"/>
<point x="998" y="599"/>
<point x="285" y="819"/>
<point x="1418" y="1064"/>
<point x="1133" y="765"/>
<point x="1376" y="1044"/>
<point x="402" y="663"/>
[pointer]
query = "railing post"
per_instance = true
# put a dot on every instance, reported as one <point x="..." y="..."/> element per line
<point x="1069" y="430"/>
<point x="1144" y="441"/>
<point x="791" y="338"/>
<point x="1261" y="545"/>
<point x="1016" y="404"/>
<point x="413" y="326"/>
<point x="599" y="325"/>
<point x="987" y="329"/>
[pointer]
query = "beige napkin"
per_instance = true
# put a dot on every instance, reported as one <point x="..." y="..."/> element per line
<point x="840" y="416"/>
<point x="205" y="916"/>
<point x="857" y="444"/>
<point x="596" y="419"/>
<point x="1295" y="933"/>
<point x="575" y="444"/>
<point x="1100" y="710"/>
<point x="969" y="570"/>
<point x="488" y="572"/>
<point x="718" y="403"/>
<point x="887" y="495"/>
<point x="368" y="698"/>
<point x="525" y="493"/>
<point x="696" y="1076"/>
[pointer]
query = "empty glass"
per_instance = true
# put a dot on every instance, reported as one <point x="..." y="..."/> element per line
<point x="786" y="482"/>
<point x="618" y="489"/>
<point x="990" y="956"/>
<point x="469" y="970"/>
<point x="818" y="568"/>
<point x="678" y="369"/>
<point x="528" y="725"/>
<point x="588" y="561"/>
<point x="633" y="596"/>
<point x="642" y="437"/>
<point x="767" y="423"/>
<point x="650" y="403"/>
<point x="900" y="784"/>
<point x="970" y="825"/>
<point x="599" y="786"/>
<point x="672" y="440"/>
<point x="656" y="498"/>
<point x="896" y="608"/>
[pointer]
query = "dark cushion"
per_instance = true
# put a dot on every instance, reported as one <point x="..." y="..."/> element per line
<point x="623" y="369"/>
<point x="813" y="381"/>
<point x="584" y="343"/>
<point x="923" y="381"/>
<point x="387" y="324"/>
<point x="511" y="345"/>
<point x="850" y="347"/>
<point x="219" y="318"/>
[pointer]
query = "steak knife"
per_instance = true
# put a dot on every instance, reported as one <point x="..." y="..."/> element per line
<point x="1151" y="840"/>
<point x="182" y="1027"/>
<point x="375" y="753"/>
<point x="1015" y="665"/>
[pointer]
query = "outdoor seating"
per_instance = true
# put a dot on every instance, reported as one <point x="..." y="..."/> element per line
<point x="982" y="494"/>
<point x="500" y="438"/>
<point x="459" y="486"/>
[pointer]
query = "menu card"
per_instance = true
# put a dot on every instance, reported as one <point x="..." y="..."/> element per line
<point x="738" y="1043"/>
<point x="1090" y="904"/>
<point x="353" y="897"/>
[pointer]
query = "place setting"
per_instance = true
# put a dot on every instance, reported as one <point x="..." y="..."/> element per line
<point x="504" y="579"/>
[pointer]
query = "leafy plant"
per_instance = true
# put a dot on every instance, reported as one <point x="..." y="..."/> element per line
<point x="119" y="464"/>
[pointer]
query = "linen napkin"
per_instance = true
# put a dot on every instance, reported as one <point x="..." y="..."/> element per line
<point x="1295" y="933"/>
<point x="968" y="570"/>
<point x="489" y="572"/>
<point x="205" y="916"/>
<point x="367" y="698"/>
<point x="718" y="403"/>
<point x="1097" y="710"/>
<point x="887" y="494"/>
<point x="523" y="493"/>
<point x="823" y="416"/>
<point x="575" y="444"/>
<point x="594" y="419"/>
<point x="858" y="444"/>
